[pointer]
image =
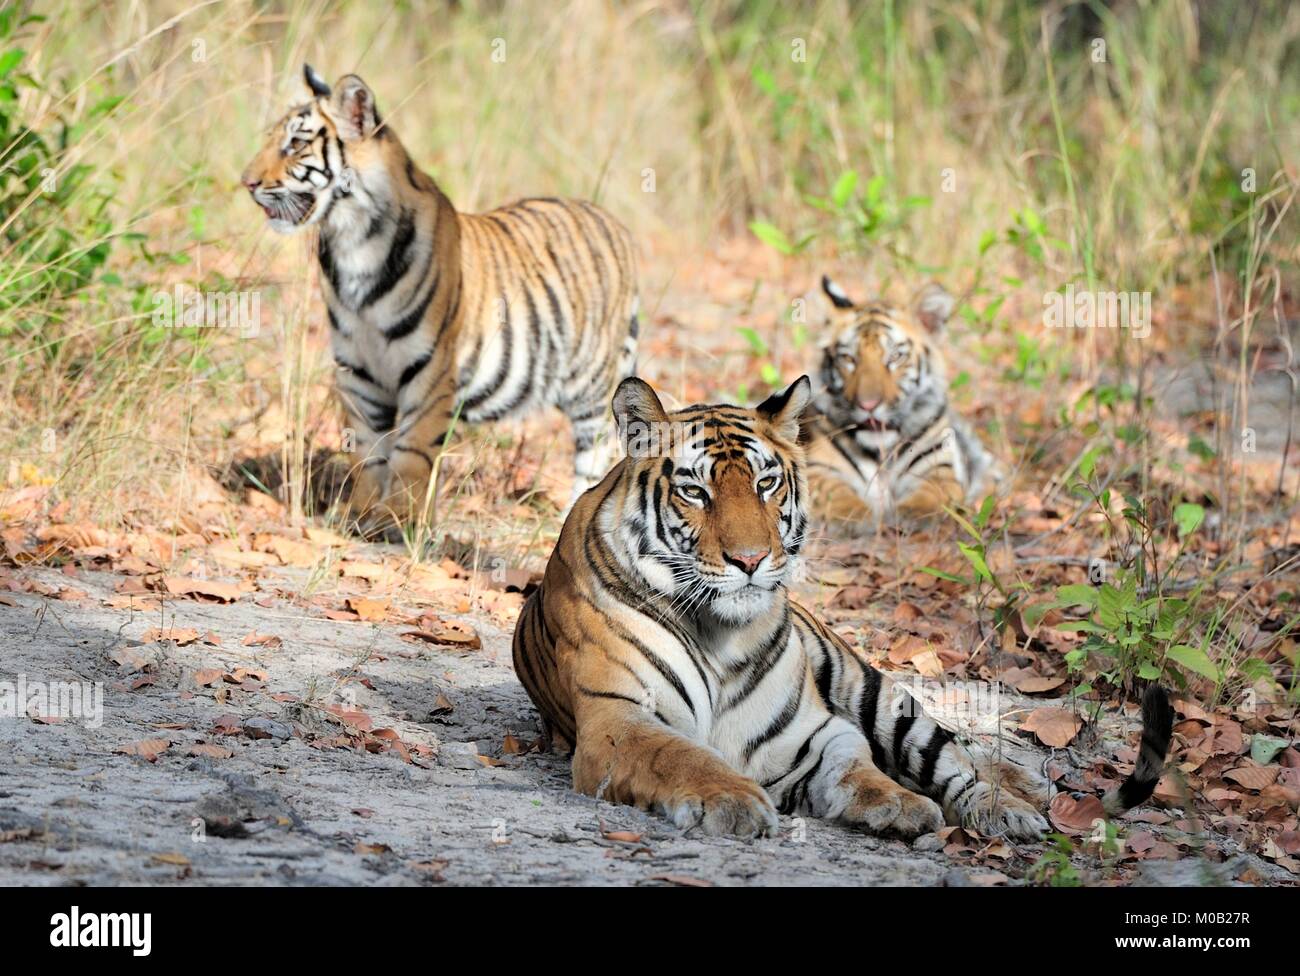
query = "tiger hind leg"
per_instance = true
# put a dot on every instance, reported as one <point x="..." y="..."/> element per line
<point x="593" y="452"/>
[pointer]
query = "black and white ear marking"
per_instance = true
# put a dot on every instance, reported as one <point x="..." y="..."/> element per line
<point x="785" y="410"/>
<point x="353" y="108"/>
<point x="636" y="405"/>
<point x="315" y="82"/>
<point x="835" y="293"/>
<point x="934" y="306"/>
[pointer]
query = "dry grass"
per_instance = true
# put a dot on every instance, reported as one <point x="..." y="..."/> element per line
<point x="1130" y="167"/>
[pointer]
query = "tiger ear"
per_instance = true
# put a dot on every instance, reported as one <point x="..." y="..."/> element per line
<point x="353" y="109"/>
<point x="784" y="411"/>
<point x="934" y="306"/>
<point x="636" y="403"/>
<point x="839" y="298"/>
<point x="315" y="82"/>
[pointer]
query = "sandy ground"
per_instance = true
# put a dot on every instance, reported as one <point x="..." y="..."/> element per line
<point x="76" y="812"/>
<point x="281" y="810"/>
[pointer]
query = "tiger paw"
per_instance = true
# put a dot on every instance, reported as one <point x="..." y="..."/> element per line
<point x="998" y="813"/>
<point x="903" y="814"/>
<point x="878" y="805"/>
<point x="743" y="810"/>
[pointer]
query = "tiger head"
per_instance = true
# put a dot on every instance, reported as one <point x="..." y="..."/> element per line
<point x="883" y="370"/>
<point x="714" y="516"/>
<point x="319" y="153"/>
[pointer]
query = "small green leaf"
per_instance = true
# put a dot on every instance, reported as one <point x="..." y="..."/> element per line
<point x="757" y="345"/>
<point x="1194" y="659"/>
<point x="771" y="235"/>
<point x="843" y="189"/>
<point x="1197" y="446"/>
<point x="975" y="556"/>
<point x="9" y="60"/>
<point x="1076" y="593"/>
<point x="1188" y="517"/>
<point x="945" y="576"/>
<point x="1263" y="748"/>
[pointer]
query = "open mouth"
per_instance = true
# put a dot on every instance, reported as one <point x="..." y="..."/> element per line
<point x="874" y="425"/>
<point x="287" y="208"/>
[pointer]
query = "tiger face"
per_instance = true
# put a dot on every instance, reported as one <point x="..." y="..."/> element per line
<point x="317" y="154"/>
<point x="715" y="516"/>
<point x="882" y="371"/>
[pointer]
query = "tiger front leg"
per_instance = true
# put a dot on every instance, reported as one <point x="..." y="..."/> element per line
<point x="367" y="437"/>
<point x="625" y="756"/>
<point x="425" y="405"/>
<point x="843" y="783"/>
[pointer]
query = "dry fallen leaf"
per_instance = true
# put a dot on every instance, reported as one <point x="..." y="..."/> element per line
<point x="201" y="588"/>
<point x="149" y="749"/>
<point x="1253" y="777"/>
<point x="1054" y="727"/>
<point x="209" y="750"/>
<point x="1037" y="684"/>
<point x="180" y="636"/>
<point x="1075" y="816"/>
<point x="207" y="676"/>
<point x="927" y="663"/>
<point x="455" y="635"/>
<point x="682" y="880"/>
<point x="269" y="641"/>
<point x="366" y="609"/>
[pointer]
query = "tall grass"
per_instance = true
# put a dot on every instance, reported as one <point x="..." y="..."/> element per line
<point x="976" y="141"/>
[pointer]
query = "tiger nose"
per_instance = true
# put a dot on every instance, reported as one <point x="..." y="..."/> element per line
<point x="251" y="183"/>
<point x="869" y="405"/>
<point x="746" y="559"/>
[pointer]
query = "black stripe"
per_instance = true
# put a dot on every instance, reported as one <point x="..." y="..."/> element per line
<point x="410" y="322"/>
<point x="414" y="369"/>
<point x="396" y="263"/>
<point x="778" y="724"/>
<point x="939" y="738"/>
<point x="902" y="725"/>
<point x="867" y="713"/>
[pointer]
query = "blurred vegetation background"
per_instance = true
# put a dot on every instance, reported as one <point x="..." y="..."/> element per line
<point x="1008" y="148"/>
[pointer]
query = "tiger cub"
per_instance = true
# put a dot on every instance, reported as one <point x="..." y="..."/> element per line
<point x="885" y="444"/>
<point x="663" y="649"/>
<point x="437" y="315"/>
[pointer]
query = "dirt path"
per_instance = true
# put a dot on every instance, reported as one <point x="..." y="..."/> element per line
<point x="83" y="814"/>
<point x="286" y="800"/>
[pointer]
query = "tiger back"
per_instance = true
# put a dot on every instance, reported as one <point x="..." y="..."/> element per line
<point x="885" y="443"/>
<point x="437" y="316"/>
<point x="662" y="648"/>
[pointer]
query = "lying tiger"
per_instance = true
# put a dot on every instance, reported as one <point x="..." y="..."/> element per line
<point x="885" y="444"/>
<point x="663" y="649"/>
<point x="436" y="314"/>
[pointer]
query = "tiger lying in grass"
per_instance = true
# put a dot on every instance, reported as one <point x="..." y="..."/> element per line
<point x="663" y="649"/>
<point x="435" y="314"/>
<point x="885" y="444"/>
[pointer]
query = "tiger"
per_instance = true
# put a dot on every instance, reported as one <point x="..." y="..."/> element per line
<point x="664" y="652"/>
<point x="436" y="316"/>
<point x="885" y="444"/>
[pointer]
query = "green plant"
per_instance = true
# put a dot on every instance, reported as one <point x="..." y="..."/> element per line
<point x="1053" y="866"/>
<point x="54" y="232"/>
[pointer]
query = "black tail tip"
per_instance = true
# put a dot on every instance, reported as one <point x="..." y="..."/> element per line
<point x="1157" y="712"/>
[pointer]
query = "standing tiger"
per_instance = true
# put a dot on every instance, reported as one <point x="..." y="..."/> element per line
<point x="663" y="649"/>
<point x="886" y="443"/>
<point x="437" y="315"/>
